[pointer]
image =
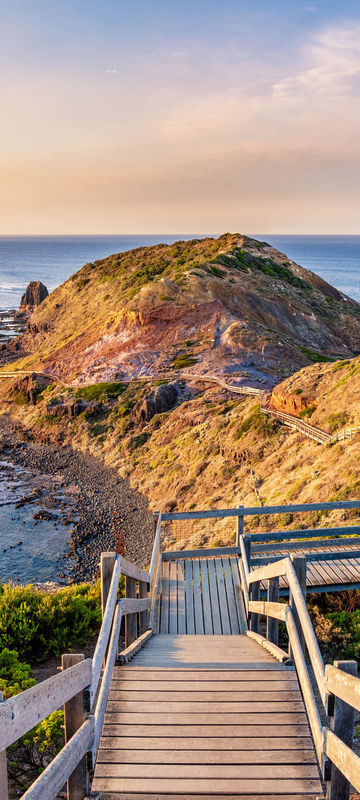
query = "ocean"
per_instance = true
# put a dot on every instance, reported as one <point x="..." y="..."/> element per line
<point x="52" y="259"/>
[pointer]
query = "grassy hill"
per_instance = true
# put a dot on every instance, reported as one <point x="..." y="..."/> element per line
<point x="231" y="304"/>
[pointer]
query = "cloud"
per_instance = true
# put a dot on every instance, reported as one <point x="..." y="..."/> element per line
<point x="333" y="65"/>
<point x="111" y="71"/>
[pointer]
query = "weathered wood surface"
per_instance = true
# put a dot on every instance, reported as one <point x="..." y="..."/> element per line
<point x="105" y="630"/>
<point x="342" y="724"/>
<point x="204" y="552"/>
<point x="202" y="729"/>
<point x="202" y="595"/>
<point x="260" y="510"/>
<point x="3" y="768"/>
<point x="343" y="685"/>
<point x="74" y="717"/>
<point x="106" y="679"/>
<point x="128" y="653"/>
<point x="47" y="786"/>
<point x="21" y="713"/>
<point x="133" y="571"/>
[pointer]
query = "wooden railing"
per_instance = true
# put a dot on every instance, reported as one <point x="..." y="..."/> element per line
<point x="311" y="431"/>
<point x="338" y="686"/>
<point x="82" y="688"/>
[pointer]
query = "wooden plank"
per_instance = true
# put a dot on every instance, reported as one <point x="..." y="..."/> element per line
<point x="224" y="613"/>
<point x="208" y="624"/>
<point x="207" y="731"/>
<point x="131" y="623"/>
<point x="207" y="718"/>
<point x="230" y="595"/>
<point x="133" y="571"/>
<point x="199" y="622"/>
<point x="143" y="696"/>
<point x="260" y="510"/>
<point x="128" y="653"/>
<point x="261" y="673"/>
<point x="164" y="608"/>
<point x="257" y="675"/>
<point x="203" y="706"/>
<point x="101" y="701"/>
<point x="343" y="685"/>
<point x="191" y="756"/>
<point x="211" y="786"/>
<point x="4" y="786"/>
<point x="345" y="760"/>
<point x="305" y="533"/>
<point x="147" y="796"/>
<point x="204" y="552"/>
<point x="107" y="563"/>
<point x="47" y="786"/>
<point x="342" y="724"/>
<point x="105" y="630"/>
<point x="189" y="598"/>
<point x="181" y="598"/>
<point x="279" y="743"/>
<point x="173" y="598"/>
<point x="234" y="564"/>
<point x="311" y="544"/>
<point x="21" y="713"/>
<point x="265" y="608"/>
<point x="74" y="717"/>
<point x="144" y="615"/>
<point x="211" y="771"/>
<point x="214" y="598"/>
<point x="134" y="605"/>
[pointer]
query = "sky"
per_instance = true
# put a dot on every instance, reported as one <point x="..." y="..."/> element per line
<point x="150" y="116"/>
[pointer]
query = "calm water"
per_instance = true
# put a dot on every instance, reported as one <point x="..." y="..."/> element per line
<point x="52" y="259"/>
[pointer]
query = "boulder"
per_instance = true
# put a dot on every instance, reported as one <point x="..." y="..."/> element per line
<point x="162" y="398"/>
<point x="34" y="294"/>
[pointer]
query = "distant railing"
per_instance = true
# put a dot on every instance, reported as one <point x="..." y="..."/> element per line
<point x="80" y="688"/>
<point x="249" y="390"/>
<point x="311" y="431"/>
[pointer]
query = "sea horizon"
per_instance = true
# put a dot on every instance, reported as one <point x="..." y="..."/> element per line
<point x="53" y="258"/>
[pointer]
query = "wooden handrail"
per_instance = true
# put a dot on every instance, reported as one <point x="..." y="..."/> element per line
<point x="106" y="680"/>
<point x="105" y="630"/>
<point x="260" y="510"/>
<point x="19" y="714"/>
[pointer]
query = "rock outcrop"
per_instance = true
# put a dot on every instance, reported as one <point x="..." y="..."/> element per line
<point x="33" y="296"/>
<point x="162" y="399"/>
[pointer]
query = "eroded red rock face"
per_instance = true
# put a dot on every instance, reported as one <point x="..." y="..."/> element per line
<point x="282" y="400"/>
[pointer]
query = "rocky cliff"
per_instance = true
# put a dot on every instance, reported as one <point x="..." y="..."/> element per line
<point x="230" y="305"/>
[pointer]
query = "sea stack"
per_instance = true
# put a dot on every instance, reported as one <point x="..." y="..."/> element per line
<point x="34" y="294"/>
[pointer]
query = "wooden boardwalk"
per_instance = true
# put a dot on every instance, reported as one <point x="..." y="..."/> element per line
<point x="331" y="573"/>
<point x="201" y="596"/>
<point x="205" y="716"/>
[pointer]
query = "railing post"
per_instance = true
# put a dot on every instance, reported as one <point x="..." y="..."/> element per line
<point x="254" y="618"/>
<point x="272" y="625"/>
<point x="240" y="527"/>
<point x="247" y="545"/>
<point x="144" y="615"/>
<point x="130" y="619"/>
<point x="4" y="789"/>
<point x="107" y="562"/>
<point x="78" y="783"/>
<point x="299" y="564"/>
<point x="342" y="723"/>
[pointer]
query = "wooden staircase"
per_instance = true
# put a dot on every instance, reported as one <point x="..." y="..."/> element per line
<point x="203" y="715"/>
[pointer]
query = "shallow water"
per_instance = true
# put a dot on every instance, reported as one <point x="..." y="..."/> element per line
<point x="31" y="550"/>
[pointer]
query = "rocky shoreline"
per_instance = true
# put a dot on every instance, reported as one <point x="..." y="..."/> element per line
<point x="109" y="514"/>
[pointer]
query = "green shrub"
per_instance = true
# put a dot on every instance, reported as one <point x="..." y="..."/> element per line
<point x="14" y="675"/>
<point x="20" y="397"/>
<point x="312" y="355"/>
<point x="308" y="411"/>
<point x="39" y="625"/>
<point x="96" y="391"/>
<point x="82" y="282"/>
<point x="336" y="421"/>
<point x="183" y="361"/>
